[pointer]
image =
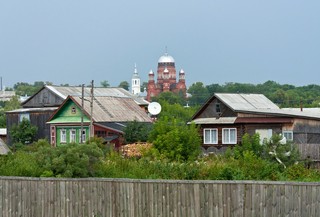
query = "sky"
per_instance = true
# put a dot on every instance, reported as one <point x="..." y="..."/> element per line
<point x="213" y="41"/>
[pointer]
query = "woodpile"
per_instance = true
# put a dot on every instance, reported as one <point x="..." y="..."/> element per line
<point x="134" y="149"/>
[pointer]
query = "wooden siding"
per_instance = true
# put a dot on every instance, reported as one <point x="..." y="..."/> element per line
<point x="38" y="119"/>
<point x="210" y="110"/>
<point x="68" y="130"/>
<point x="44" y="98"/>
<point x="153" y="198"/>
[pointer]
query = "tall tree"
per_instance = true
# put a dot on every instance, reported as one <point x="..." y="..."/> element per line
<point x="199" y="93"/>
<point x="124" y="85"/>
<point x="104" y="83"/>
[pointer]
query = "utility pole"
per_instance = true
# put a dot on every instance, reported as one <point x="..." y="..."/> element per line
<point x="82" y="110"/>
<point x="91" y="110"/>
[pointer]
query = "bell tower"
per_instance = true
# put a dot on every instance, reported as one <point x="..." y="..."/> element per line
<point x="135" y="82"/>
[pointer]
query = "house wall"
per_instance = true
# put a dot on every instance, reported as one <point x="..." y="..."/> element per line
<point x="104" y="133"/>
<point x="43" y="98"/>
<point x="220" y="128"/>
<point x="38" y="119"/>
<point x="306" y="131"/>
<point x="68" y="133"/>
<point x="210" y="111"/>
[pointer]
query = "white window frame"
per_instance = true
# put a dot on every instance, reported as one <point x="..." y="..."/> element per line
<point x="211" y="131"/>
<point x="285" y="134"/>
<point x="84" y="136"/>
<point x="63" y="136"/>
<point x="73" y="135"/>
<point x="228" y="130"/>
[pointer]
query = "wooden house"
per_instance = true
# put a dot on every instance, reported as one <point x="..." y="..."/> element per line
<point x="40" y="107"/>
<point x="225" y="118"/>
<point x="105" y="117"/>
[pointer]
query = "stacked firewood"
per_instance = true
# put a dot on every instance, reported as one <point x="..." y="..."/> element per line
<point x="134" y="149"/>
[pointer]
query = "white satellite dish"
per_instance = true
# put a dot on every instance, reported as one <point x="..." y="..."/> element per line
<point x="154" y="108"/>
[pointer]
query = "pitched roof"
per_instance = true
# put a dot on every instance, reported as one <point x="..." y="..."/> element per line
<point x="256" y="104"/>
<point x="110" y="109"/>
<point x="246" y="101"/>
<point x="64" y="92"/>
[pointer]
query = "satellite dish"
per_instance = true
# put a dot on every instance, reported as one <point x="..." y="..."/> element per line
<point x="154" y="108"/>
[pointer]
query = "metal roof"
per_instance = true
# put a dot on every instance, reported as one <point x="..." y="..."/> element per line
<point x="64" y="92"/>
<point x="246" y="101"/>
<point x="22" y="110"/>
<point x="221" y="120"/>
<point x="114" y="109"/>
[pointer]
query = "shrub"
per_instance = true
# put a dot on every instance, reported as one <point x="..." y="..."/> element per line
<point x="176" y="141"/>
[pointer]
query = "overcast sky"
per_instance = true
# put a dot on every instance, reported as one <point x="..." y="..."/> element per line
<point x="214" y="41"/>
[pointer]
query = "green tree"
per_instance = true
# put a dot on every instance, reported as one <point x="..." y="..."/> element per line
<point x="144" y="86"/>
<point x="24" y="132"/>
<point x="124" y="85"/>
<point x="72" y="160"/>
<point x="12" y="104"/>
<point x="175" y="141"/>
<point x="26" y="89"/>
<point x="136" y="132"/>
<point x="199" y="93"/>
<point x="175" y="111"/>
<point x="169" y="97"/>
<point x="104" y="83"/>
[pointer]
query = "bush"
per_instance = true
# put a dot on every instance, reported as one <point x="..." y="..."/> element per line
<point x="176" y="141"/>
<point x="137" y="132"/>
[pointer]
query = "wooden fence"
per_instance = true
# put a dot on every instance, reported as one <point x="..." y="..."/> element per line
<point x="147" y="198"/>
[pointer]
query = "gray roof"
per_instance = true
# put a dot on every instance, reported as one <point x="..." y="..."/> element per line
<point x="23" y="110"/>
<point x="6" y="95"/>
<point x="221" y="120"/>
<point x="64" y="92"/>
<point x="260" y="104"/>
<point x="114" y="109"/>
<point x="239" y="102"/>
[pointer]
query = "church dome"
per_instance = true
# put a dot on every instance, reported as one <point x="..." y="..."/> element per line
<point x="166" y="59"/>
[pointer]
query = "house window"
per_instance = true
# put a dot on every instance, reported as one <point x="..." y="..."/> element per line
<point x="73" y="110"/>
<point x="83" y="134"/>
<point x="264" y="134"/>
<point x="210" y="136"/>
<point x="24" y="116"/>
<point x="72" y="135"/>
<point x="229" y="136"/>
<point x="218" y="109"/>
<point x="288" y="135"/>
<point x="63" y="136"/>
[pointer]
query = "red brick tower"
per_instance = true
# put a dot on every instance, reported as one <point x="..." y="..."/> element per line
<point x="166" y="78"/>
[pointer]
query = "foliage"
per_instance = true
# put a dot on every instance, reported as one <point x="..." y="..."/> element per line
<point x="12" y="104"/>
<point x="124" y="85"/>
<point x="26" y="89"/>
<point x="284" y="153"/>
<point x="20" y="164"/>
<point x="199" y="93"/>
<point x="176" y="112"/>
<point x="24" y="132"/>
<point x="136" y="132"/>
<point x="249" y="143"/>
<point x="144" y="86"/>
<point x="176" y="141"/>
<point x="284" y="95"/>
<point x="169" y="97"/>
<point x="104" y="83"/>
